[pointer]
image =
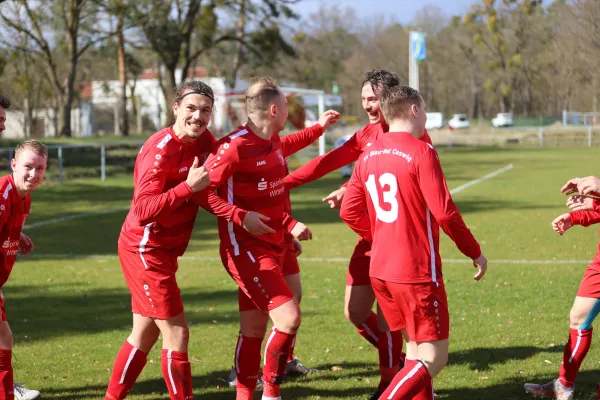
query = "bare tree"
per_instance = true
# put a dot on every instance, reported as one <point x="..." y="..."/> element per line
<point x="36" y="21"/>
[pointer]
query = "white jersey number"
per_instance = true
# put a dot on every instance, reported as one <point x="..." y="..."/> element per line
<point x="389" y="196"/>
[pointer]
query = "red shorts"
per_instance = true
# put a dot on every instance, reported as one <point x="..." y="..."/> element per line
<point x="151" y="279"/>
<point x="358" y="270"/>
<point x="2" y="309"/>
<point x="290" y="261"/>
<point x="258" y="272"/>
<point x="419" y="308"/>
<point x="590" y="283"/>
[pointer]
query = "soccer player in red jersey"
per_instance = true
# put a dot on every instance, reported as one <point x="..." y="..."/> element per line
<point x="586" y="211"/>
<point x="398" y="197"/>
<point x="28" y="168"/>
<point x="359" y="297"/>
<point x="248" y="169"/>
<point x="20" y="392"/>
<point x="157" y="229"/>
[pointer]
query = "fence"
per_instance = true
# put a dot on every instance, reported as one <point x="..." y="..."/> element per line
<point x="72" y="161"/>
<point x="543" y="136"/>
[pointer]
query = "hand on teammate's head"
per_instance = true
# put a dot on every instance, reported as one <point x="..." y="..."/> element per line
<point x="570" y="187"/>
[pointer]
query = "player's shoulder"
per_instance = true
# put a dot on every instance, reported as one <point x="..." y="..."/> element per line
<point x="6" y="189"/>
<point x="369" y="132"/>
<point x="161" y="142"/>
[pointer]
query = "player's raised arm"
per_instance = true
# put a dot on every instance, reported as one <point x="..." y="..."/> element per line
<point x="295" y="142"/>
<point x="322" y="165"/>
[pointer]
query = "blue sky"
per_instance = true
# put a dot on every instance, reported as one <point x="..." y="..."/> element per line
<point x="401" y="10"/>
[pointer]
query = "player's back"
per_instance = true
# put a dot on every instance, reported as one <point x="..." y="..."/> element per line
<point x="166" y="159"/>
<point x="405" y="235"/>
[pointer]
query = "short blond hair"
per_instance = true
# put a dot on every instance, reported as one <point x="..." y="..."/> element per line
<point x="261" y="93"/>
<point x="38" y="148"/>
<point x="396" y="102"/>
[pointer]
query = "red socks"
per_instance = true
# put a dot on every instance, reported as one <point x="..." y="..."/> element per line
<point x="390" y="350"/>
<point x="178" y="374"/>
<point x="128" y="365"/>
<point x="409" y="382"/>
<point x="575" y="351"/>
<point x="6" y="375"/>
<point x="247" y="365"/>
<point x="369" y="329"/>
<point x="276" y="354"/>
<point x="291" y="353"/>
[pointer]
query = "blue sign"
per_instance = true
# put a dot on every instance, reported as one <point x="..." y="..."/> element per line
<point x="417" y="46"/>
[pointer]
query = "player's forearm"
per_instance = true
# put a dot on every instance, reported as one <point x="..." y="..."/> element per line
<point x="149" y="207"/>
<point x="215" y="205"/>
<point x="457" y="230"/>
<point x="321" y="166"/>
<point x="585" y="218"/>
<point x="288" y="222"/>
<point x="358" y="221"/>
<point x="295" y="142"/>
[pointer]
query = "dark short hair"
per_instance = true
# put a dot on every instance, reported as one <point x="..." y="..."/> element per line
<point x="4" y="102"/>
<point x="261" y="93"/>
<point x="193" y="85"/>
<point x="395" y="102"/>
<point x="380" y="77"/>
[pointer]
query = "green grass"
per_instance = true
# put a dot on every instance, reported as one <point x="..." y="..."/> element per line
<point x="69" y="316"/>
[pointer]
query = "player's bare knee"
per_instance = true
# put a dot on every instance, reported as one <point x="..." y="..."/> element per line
<point x="356" y="314"/>
<point x="576" y="318"/>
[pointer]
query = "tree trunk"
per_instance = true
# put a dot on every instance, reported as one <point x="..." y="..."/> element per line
<point x="168" y="91"/>
<point x="239" y="48"/>
<point x="122" y="65"/>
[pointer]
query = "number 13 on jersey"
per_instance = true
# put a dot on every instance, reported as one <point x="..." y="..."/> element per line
<point x="389" y="189"/>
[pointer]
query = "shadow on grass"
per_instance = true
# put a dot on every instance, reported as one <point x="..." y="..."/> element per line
<point x="98" y="310"/>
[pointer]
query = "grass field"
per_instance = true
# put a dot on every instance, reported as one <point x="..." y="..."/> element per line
<point x="69" y="312"/>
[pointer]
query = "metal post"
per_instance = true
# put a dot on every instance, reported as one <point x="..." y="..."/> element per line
<point x="541" y="136"/>
<point x="60" y="165"/>
<point x="103" y="162"/>
<point x="590" y="136"/>
<point x="321" y="106"/>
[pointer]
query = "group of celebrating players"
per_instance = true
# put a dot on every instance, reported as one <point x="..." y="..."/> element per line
<point x="397" y="198"/>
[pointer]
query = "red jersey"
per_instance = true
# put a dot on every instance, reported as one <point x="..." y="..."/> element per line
<point x="337" y="158"/>
<point x="13" y="213"/>
<point x="399" y="189"/>
<point x="587" y="218"/>
<point x="248" y="172"/>
<point x="162" y="215"/>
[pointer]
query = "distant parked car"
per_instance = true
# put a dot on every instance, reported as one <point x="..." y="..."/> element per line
<point x="434" y="121"/>
<point x="502" y="120"/>
<point x="459" y="121"/>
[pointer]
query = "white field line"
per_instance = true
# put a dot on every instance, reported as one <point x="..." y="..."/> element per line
<point x="113" y="210"/>
<point x="305" y="259"/>
<point x="479" y="180"/>
<point x="75" y="216"/>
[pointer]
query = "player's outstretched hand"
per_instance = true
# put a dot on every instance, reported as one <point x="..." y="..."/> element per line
<point x="329" y="117"/>
<point x="25" y="244"/>
<point x="297" y="247"/>
<point x="198" y="177"/>
<point x="301" y="232"/>
<point x="253" y="223"/>
<point x="580" y="203"/>
<point x="481" y="265"/>
<point x="570" y="187"/>
<point x="335" y="198"/>
<point x="588" y="185"/>
<point x="562" y="223"/>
